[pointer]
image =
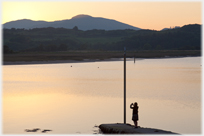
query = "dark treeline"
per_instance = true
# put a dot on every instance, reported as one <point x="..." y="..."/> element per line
<point x="49" y="39"/>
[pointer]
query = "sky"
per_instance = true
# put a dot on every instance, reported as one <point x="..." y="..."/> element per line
<point x="143" y="14"/>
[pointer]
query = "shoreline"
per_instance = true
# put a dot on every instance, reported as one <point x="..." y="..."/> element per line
<point x="6" y="63"/>
<point x="90" y="56"/>
<point x="58" y="61"/>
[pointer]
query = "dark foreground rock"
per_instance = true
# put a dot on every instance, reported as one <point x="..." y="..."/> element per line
<point x="129" y="129"/>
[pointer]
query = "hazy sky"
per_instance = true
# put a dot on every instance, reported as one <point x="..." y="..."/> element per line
<point x="146" y="15"/>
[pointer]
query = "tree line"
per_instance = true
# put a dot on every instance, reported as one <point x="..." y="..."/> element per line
<point x="49" y="39"/>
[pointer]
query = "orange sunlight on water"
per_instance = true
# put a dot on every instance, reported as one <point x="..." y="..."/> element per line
<point x="72" y="100"/>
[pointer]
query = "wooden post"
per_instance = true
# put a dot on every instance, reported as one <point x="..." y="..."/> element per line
<point x="124" y="85"/>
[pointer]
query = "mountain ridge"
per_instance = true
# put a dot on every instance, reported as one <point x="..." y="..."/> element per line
<point x="82" y="21"/>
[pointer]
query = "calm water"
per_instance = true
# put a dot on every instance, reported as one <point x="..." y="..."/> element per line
<point x="72" y="100"/>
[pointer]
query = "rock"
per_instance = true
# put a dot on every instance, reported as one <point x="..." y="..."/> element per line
<point x="44" y="131"/>
<point x="129" y="129"/>
<point x="32" y="130"/>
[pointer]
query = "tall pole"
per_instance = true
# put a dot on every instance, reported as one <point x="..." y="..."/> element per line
<point x="124" y="85"/>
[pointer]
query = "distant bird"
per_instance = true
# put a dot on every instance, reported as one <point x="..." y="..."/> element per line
<point x="44" y="131"/>
<point x="71" y="66"/>
<point x="98" y="67"/>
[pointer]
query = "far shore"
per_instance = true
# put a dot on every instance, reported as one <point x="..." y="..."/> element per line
<point x="25" y="58"/>
<point x="59" y="61"/>
<point x="81" y="61"/>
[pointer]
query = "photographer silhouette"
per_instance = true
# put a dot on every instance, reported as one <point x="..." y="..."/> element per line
<point x="134" y="113"/>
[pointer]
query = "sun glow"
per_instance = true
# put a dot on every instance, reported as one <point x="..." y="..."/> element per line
<point x="146" y="15"/>
<point x="21" y="10"/>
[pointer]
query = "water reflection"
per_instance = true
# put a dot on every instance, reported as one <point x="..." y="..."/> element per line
<point x="71" y="100"/>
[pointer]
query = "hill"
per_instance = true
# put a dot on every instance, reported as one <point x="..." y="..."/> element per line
<point x="49" y="39"/>
<point x="83" y="22"/>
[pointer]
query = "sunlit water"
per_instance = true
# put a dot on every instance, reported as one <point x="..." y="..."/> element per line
<point x="73" y="100"/>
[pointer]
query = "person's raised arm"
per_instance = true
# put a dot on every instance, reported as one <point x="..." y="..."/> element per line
<point x="131" y="106"/>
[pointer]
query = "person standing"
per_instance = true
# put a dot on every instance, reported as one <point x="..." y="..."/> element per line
<point x="134" y="113"/>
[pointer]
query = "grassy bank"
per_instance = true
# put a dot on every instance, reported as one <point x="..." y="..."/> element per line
<point x="101" y="55"/>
